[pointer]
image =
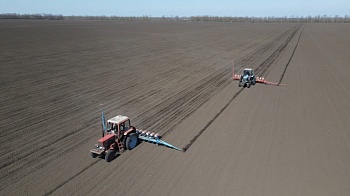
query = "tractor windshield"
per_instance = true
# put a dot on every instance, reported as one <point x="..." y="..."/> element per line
<point x="112" y="128"/>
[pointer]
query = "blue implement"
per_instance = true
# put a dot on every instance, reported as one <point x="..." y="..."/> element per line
<point x="159" y="141"/>
<point x="104" y="126"/>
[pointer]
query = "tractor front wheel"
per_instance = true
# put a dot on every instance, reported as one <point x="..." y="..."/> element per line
<point x="93" y="155"/>
<point x="248" y="85"/>
<point x="131" y="141"/>
<point x="110" y="155"/>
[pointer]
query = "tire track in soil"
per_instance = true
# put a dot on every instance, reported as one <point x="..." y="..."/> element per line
<point x="187" y="146"/>
<point x="265" y="65"/>
<point x="290" y="59"/>
<point x="71" y="178"/>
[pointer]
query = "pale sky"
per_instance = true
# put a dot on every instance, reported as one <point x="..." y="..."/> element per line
<point x="157" y="8"/>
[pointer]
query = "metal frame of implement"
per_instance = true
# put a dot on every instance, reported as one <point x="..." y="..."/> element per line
<point x="153" y="137"/>
<point x="260" y="80"/>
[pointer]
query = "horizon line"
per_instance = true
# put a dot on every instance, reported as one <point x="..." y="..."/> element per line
<point x="174" y="16"/>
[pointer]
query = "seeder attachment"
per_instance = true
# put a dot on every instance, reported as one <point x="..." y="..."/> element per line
<point x="263" y="81"/>
<point x="260" y="80"/>
<point x="153" y="137"/>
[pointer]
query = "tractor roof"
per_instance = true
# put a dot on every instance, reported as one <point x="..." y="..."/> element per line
<point x="118" y="119"/>
<point x="248" y="69"/>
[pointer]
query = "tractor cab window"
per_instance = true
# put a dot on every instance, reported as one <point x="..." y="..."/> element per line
<point x="122" y="127"/>
<point x="109" y="126"/>
<point x="246" y="72"/>
<point x="127" y="125"/>
<point x="112" y="128"/>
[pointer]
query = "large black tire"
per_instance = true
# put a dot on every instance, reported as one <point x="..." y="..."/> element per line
<point x="93" y="155"/>
<point x="110" y="155"/>
<point x="254" y="81"/>
<point x="131" y="141"/>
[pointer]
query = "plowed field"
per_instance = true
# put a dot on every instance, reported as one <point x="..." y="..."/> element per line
<point x="175" y="78"/>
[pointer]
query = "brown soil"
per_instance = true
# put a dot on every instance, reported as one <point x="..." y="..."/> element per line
<point x="175" y="78"/>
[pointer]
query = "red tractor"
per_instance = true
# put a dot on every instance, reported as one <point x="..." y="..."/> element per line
<point x="117" y="137"/>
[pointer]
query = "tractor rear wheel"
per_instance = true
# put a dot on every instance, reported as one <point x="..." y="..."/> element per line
<point x="131" y="141"/>
<point x="110" y="155"/>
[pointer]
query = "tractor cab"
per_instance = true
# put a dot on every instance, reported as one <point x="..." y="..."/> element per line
<point x="247" y="78"/>
<point x="118" y="125"/>
<point x="248" y="71"/>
